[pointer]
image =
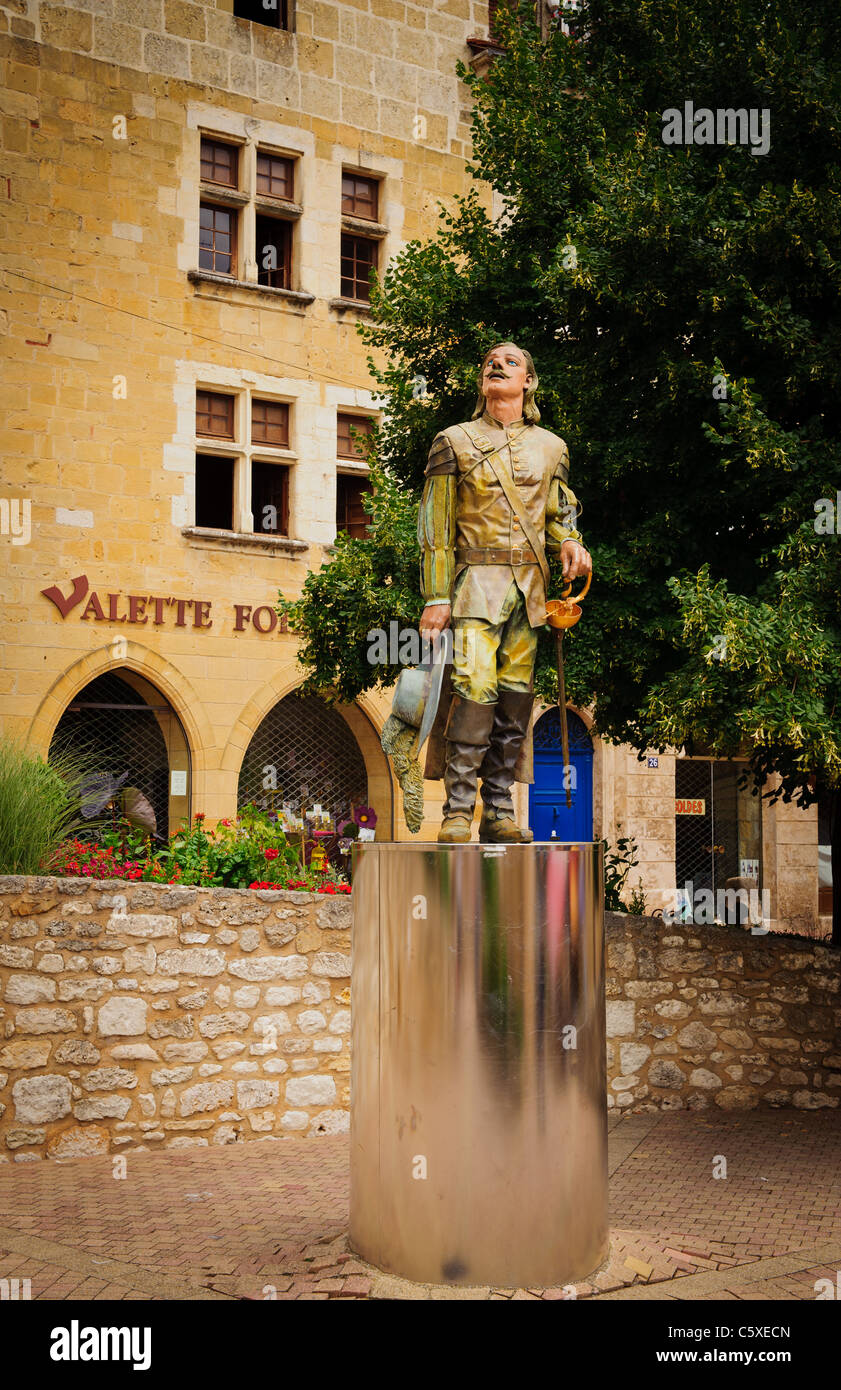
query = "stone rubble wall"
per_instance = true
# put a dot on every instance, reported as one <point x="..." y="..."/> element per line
<point x="138" y="1017"/>
<point x="709" y="1015"/>
<point x="141" y="1016"/>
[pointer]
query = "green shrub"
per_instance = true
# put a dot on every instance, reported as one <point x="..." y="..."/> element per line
<point x="618" y="863"/>
<point x="39" y="805"/>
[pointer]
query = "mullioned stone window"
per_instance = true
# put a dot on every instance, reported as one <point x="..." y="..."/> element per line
<point x="248" y="213"/>
<point x="243" y="461"/>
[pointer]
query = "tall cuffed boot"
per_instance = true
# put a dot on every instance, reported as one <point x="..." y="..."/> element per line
<point x="467" y="734"/>
<point x="511" y="722"/>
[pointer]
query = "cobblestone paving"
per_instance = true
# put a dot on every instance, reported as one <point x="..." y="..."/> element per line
<point x="269" y="1220"/>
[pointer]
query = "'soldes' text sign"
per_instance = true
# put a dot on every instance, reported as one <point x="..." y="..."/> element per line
<point x="689" y="806"/>
<point x="145" y="610"/>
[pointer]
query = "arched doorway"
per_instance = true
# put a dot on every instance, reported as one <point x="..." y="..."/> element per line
<point x="126" y="726"/>
<point x="304" y="754"/>
<point x="548" y="810"/>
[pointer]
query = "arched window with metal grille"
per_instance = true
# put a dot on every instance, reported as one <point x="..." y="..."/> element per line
<point x="128" y="730"/>
<point x="304" y="754"/>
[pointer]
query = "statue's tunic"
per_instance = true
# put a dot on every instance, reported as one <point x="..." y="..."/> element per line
<point x="467" y="528"/>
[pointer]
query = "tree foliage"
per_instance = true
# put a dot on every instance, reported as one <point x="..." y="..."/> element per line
<point x="682" y="306"/>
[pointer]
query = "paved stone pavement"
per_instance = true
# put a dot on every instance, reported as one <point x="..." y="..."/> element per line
<point x="264" y="1220"/>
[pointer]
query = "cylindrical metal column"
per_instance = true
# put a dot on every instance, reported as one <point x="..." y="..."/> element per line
<point x="478" y="1110"/>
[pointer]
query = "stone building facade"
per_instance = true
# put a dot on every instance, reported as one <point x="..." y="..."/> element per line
<point x="193" y="192"/>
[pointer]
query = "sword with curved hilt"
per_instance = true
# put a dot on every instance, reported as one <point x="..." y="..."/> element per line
<point x="563" y="613"/>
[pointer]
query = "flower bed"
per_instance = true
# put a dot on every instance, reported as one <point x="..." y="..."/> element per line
<point x="252" y="851"/>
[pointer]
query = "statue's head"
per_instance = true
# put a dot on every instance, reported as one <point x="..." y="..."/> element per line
<point x="506" y="372"/>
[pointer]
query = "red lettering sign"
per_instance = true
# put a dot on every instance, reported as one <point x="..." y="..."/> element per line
<point x="132" y="609"/>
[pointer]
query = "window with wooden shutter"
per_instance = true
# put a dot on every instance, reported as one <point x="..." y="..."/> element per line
<point x="351" y="515"/>
<point x="275" y="175"/>
<point x="217" y="239"/>
<point x="273" y="251"/>
<point x="360" y="196"/>
<point x="359" y="258"/>
<point x="347" y="447"/>
<point x="215" y="414"/>
<point x="270" y="423"/>
<point x="270" y="497"/>
<point x="219" y="162"/>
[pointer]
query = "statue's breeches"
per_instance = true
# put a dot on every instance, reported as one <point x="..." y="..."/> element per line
<point x="490" y="656"/>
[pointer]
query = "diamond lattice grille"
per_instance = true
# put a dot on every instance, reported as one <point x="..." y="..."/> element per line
<point x="308" y="751"/>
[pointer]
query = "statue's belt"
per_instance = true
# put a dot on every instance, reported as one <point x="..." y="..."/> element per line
<point x="493" y="459"/>
<point x="517" y="556"/>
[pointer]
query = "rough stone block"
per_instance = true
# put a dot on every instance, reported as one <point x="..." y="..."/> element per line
<point x="233" y="1021"/>
<point x="45" y="1021"/>
<point x="109" y="1079"/>
<point x="185" y="1052"/>
<point x="191" y="962"/>
<point x="666" y="1074"/>
<point x="144" y="924"/>
<point x="310" y="1090"/>
<point x="17" y="957"/>
<point x="620" y="1018"/>
<point x="170" y="1076"/>
<point x="122" y="1016"/>
<point x="80" y="1141"/>
<point x="334" y="964"/>
<point x="18" y="1137"/>
<point x="205" y="1095"/>
<point x="136" y="1052"/>
<point x="29" y="989"/>
<point x="631" y="1055"/>
<point x="25" y="1056"/>
<point x="256" y="1095"/>
<point x="294" y="1119"/>
<point x="38" y="1099"/>
<point x="270" y="968"/>
<point x="737" y="1098"/>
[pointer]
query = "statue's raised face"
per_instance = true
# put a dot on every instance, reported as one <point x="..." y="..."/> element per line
<point x="506" y="374"/>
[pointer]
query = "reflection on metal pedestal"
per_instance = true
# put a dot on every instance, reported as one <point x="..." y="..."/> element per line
<point x="478" y="1111"/>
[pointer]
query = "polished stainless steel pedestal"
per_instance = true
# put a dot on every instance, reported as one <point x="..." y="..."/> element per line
<point x="478" y="1110"/>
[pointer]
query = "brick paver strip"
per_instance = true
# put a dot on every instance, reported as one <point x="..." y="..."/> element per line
<point x="761" y="1273"/>
<point x="269" y="1220"/>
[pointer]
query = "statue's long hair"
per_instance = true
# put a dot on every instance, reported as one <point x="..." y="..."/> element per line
<point x="531" y="414"/>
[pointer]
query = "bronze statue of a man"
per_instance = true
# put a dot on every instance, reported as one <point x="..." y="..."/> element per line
<point x="496" y="494"/>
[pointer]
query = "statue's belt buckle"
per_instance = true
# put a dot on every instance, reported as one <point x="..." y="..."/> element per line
<point x="518" y="556"/>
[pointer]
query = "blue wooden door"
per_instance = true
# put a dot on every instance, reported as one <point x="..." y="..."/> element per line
<point x="548" y="811"/>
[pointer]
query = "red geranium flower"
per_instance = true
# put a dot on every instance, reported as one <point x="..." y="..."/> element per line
<point x="271" y="853"/>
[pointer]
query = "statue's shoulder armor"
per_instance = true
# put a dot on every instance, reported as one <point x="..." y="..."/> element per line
<point x="442" y="455"/>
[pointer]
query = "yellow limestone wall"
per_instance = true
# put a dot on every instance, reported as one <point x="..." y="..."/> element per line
<point x="106" y="337"/>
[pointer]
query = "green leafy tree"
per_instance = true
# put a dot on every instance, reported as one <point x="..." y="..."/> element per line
<point x="682" y="305"/>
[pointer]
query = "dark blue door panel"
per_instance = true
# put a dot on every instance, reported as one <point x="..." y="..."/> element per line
<point x="548" y="811"/>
